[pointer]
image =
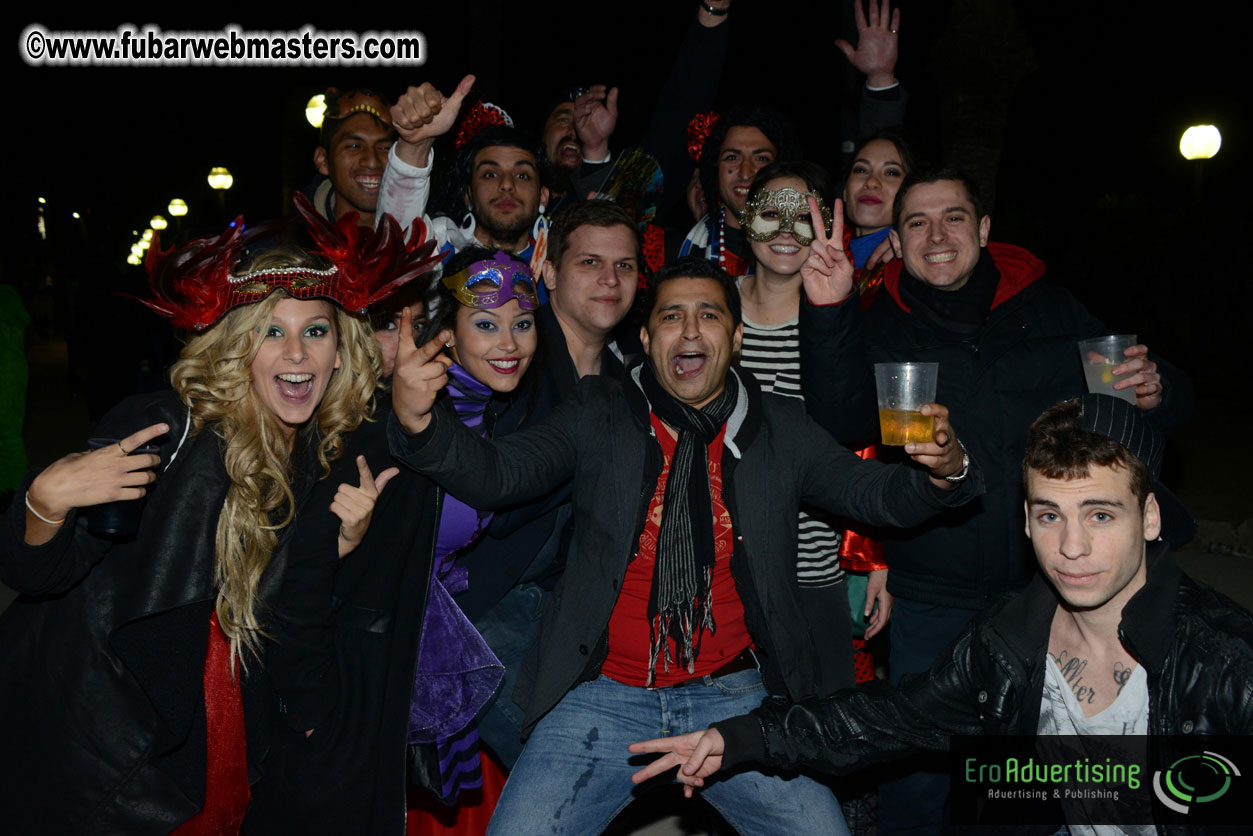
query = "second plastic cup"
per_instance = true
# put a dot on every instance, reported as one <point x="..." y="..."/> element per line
<point x="903" y="389"/>
<point x="1100" y="356"/>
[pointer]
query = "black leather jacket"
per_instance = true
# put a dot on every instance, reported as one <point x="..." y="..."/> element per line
<point x="1199" y="663"/>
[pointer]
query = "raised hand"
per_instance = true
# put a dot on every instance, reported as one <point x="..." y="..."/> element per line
<point x="827" y="274"/>
<point x="79" y="480"/>
<point x="423" y="113"/>
<point x="355" y="505"/>
<point x="595" y="117"/>
<point x="1141" y="372"/>
<point x="421" y="371"/>
<point x="943" y="455"/>
<point x="697" y="754"/>
<point x="876" y="51"/>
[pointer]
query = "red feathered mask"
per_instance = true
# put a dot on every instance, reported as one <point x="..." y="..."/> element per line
<point x="193" y="285"/>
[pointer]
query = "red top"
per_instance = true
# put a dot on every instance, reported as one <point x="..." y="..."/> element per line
<point x="226" y="768"/>
<point x="628" y="625"/>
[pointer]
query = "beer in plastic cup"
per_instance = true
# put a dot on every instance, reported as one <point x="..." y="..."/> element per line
<point x="903" y="388"/>
<point x="1100" y="356"/>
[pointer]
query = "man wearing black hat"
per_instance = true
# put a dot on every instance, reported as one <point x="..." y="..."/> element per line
<point x="1109" y="638"/>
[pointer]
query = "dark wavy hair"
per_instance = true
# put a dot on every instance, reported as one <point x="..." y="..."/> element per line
<point x="777" y="128"/>
<point x="1058" y="449"/>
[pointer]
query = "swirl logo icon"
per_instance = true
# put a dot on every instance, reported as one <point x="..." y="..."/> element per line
<point x="1194" y="779"/>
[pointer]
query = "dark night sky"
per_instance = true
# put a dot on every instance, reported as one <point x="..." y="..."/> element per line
<point x="1072" y="116"/>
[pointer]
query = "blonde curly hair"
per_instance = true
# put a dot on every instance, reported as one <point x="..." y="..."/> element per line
<point x="213" y="377"/>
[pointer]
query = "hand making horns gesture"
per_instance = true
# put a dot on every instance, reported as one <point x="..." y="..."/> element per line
<point x="827" y="274"/>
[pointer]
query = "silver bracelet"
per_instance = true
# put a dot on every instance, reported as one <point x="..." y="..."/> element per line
<point x="31" y="508"/>
<point x="965" y="471"/>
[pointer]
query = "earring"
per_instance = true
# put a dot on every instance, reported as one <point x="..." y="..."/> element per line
<point x="542" y="208"/>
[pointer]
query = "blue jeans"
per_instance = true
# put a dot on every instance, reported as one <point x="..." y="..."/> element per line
<point x="913" y="805"/>
<point x="509" y="629"/>
<point x="574" y="775"/>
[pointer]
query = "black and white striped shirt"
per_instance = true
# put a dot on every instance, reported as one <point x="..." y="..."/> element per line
<point x="772" y="354"/>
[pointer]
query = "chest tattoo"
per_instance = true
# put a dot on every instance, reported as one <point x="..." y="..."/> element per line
<point x="1122" y="673"/>
<point x="1072" y="668"/>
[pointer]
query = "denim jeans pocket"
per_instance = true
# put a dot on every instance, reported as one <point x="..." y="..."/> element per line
<point x="741" y="682"/>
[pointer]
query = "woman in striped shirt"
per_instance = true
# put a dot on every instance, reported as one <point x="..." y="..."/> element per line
<point x="778" y="223"/>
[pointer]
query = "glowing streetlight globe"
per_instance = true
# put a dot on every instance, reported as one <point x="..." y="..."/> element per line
<point x="1200" y="142"/>
<point x="147" y="236"/>
<point x="158" y="223"/>
<point x="75" y="215"/>
<point x="315" y="109"/>
<point x="143" y="243"/>
<point x="220" y="178"/>
<point x="134" y="260"/>
<point x="177" y="207"/>
<point x="41" y="200"/>
<point x="136" y="250"/>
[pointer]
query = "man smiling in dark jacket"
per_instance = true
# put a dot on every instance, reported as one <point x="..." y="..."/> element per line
<point x="1159" y="653"/>
<point x="679" y="596"/>
<point x="1005" y="340"/>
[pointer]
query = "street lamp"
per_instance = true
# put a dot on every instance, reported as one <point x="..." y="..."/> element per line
<point x="1200" y="142"/>
<point x="134" y="260"/>
<point x="147" y="236"/>
<point x="158" y="223"/>
<point x="177" y="207"/>
<point x="220" y="178"/>
<point x="315" y="109"/>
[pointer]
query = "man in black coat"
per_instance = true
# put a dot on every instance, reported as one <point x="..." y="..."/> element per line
<point x="1006" y="344"/>
<point x="679" y="595"/>
<point x="591" y="273"/>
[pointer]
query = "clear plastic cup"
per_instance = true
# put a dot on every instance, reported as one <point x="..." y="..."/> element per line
<point x="903" y="389"/>
<point x="1100" y="356"/>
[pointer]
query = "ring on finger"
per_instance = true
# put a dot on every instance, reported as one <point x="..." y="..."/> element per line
<point x="123" y="449"/>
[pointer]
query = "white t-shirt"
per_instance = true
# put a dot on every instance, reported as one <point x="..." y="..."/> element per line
<point x="1061" y="714"/>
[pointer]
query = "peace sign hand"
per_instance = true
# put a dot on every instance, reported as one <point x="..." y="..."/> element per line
<point x="827" y="274"/>
<point x="421" y="371"/>
<point x="355" y="506"/>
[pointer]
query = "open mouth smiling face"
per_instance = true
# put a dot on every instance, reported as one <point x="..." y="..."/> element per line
<point x="295" y="359"/>
<point x="690" y="338"/>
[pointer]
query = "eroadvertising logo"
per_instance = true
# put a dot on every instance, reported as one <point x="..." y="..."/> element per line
<point x="1194" y="780"/>
<point x="1120" y="780"/>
